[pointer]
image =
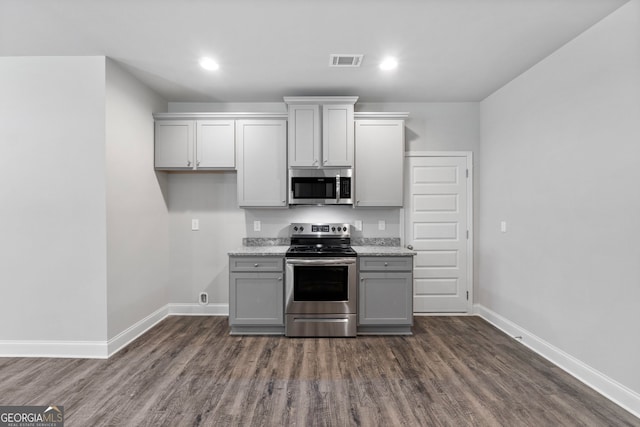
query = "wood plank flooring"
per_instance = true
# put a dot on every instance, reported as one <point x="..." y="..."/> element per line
<point x="187" y="371"/>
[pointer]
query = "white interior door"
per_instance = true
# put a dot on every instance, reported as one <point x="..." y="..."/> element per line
<point x="437" y="226"/>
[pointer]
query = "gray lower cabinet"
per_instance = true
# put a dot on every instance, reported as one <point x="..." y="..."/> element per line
<point x="256" y="295"/>
<point x="385" y="295"/>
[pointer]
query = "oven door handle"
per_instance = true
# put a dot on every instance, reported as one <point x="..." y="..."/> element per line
<point x="320" y="261"/>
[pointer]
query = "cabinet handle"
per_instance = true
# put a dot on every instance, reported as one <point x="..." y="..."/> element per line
<point x="188" y="162"/>
<point x="280" y="279"/>
<point x="410" y="247"/>
<point x="198" y="163"/>
<point x="256" y="265"/>
<point x="386" y="264"/>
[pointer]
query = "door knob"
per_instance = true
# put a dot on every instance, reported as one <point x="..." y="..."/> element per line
<point x="410" y="247"/>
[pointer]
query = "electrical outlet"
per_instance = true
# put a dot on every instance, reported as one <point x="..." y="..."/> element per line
<point x="195" y="224"/>
<point x="359" y="224"/>
<point x="257" y="226"/>
<point x="503" y="226"/>
<point x="382" y="225"/>
<point x="204" y="298"/>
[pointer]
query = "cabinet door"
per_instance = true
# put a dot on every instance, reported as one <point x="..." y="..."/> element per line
<point x="215" y="144"/>
<point x="304" y="135"/>
<point x="379" y="151"/>
<point x="385" y="299"/>
<point x="174" y="140"/>
<point x="337" y="135"/>
<point x="262" y="162"/>
<point x="256" y="299"/>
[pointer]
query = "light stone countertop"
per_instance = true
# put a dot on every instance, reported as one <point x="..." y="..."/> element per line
<point x="383" y="251"/>
<point x="259" y="251"/>
<point x="360" y="250"/>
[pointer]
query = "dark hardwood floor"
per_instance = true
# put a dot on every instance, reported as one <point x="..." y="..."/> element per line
<point x="453" y="371"/>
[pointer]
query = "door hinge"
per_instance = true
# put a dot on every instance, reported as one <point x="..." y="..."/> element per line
<point x="467" y="234"/>
<point x="467" y="295"/>
<point x="467" y="173"/>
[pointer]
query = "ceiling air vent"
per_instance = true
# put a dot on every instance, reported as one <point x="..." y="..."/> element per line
<point x="345" y="60"/>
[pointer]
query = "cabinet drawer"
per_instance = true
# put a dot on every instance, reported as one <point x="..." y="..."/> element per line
<point x="259" y="263"/>
<point x="375" y="263"/>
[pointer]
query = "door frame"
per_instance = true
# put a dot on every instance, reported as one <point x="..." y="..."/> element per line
<point x="404" y="213"/>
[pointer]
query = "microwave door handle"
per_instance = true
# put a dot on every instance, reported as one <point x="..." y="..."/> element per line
<point x="338" y="188"/>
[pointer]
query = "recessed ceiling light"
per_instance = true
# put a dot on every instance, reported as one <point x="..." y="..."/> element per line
<point x="388" y="64"/>
<point x="209" y="64"/>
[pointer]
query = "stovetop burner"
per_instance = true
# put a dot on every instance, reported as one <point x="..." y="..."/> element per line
<point x="320" y="240"/>
<point x="320" y="250"/>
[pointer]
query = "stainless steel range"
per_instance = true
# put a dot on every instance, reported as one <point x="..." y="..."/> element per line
<point x="320" y="287"/>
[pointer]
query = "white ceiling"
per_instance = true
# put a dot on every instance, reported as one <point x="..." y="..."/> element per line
<point x="448" y="50"/>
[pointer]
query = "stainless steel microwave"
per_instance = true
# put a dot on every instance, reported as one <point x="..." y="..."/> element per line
<point x="320" y="187"/>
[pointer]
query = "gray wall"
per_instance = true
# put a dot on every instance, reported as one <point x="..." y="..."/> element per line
<point x="198" y="261"/>
<point x="559" y="163"/>
<point x="53" y="243"/>
<point x="83" y="219"/>
<point x="198" y="258"/>
<point x="137" y="214"/>
<point x="436" y="126"/>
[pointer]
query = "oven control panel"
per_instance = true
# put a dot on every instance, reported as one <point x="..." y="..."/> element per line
<point x="320" y="229"/>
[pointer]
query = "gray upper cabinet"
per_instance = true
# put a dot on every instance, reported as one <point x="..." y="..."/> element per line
<point x="304" y="135"/>
<point x="215" y="144"/>
<point x="379" y="159"/>
<point x="321" y="131"/>
<point x="262" y="163"/>
<point x="337" y="135"/>
<point x="174" y="143"/>
<point x="194" y="144"/>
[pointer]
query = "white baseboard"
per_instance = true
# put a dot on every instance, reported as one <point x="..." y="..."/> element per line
<point x="127" y="336"/>
<point x="106" y="349"/>
<point x="611" y="389"/>
<point x="54" y="349"/>
<point x="198" y="310"/>
<point x="442" y="314"/>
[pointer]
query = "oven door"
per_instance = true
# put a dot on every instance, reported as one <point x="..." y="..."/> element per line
<point x="320" y="286"/>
